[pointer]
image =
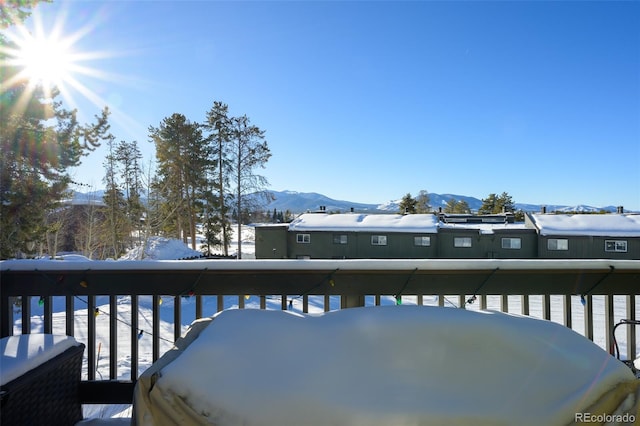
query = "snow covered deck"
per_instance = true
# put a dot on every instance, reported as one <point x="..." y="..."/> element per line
<point x="101" y="286"/>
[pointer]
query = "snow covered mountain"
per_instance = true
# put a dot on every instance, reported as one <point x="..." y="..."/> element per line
<point x="300" y="202"/>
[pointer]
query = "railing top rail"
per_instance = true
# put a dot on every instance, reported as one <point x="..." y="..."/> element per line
<point x="308" y="277"/>
<point x="322" y="264"/>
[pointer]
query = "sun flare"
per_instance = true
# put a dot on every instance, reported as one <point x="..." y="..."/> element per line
<point x="45" y="61"/>
<point x="46" y="56"/>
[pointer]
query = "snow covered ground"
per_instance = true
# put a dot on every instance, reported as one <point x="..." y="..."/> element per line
<point x="169" y="249"/>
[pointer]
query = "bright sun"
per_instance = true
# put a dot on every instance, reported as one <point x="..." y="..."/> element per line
<point x="45" y="61"/>
<point x="47" y="57"/>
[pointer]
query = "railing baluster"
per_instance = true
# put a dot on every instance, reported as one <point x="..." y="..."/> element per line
<point x="177" y="317"/>
<point x="198" y="306"/>
<point x="504" y="303"/>
<point x="525" y="304"/>
<point x="156" y="328"/>
<point x="568" y="321"/>
<point x="240" y="301"/>
<point x="91" y="337"/>
<point x="631" y="328"/>
<point x="69" y="315"/>
<point x="546" y="306"/>
<point x="588" y="317"/>
<point x="220" y="306"/>
<point x="608" y="322"/>
<point x="113" y="337"/>
<point x="26" y="314"/>
<point x="483" y="302"/>
<point x="134" y="337"/>
<point x="441" y="300"/>
<point x="263" y="302"/>
<point x="305" y="304"/>
<point x="48" y="315"/>
<point x="327" y="303"/>
<point x="283" y="302"/>
<point x="6" y="306"/>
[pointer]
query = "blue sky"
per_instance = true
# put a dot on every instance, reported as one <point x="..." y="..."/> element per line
<point x="366" y="101"/>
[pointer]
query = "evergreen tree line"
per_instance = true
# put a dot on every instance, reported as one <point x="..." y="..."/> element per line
<point x="493" y="204"/>
<point x="206" y="174"/>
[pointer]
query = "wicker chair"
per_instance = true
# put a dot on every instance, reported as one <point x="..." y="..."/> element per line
<point x="46" y="394"/>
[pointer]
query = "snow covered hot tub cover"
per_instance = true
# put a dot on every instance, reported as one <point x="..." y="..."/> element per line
<point x="393" y="365"/>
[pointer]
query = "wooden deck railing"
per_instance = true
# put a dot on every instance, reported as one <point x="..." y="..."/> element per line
<point x="565" y="291"/>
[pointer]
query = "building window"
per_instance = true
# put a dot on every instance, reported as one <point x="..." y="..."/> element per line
<point x="462" y="242"/>
<point x="378" y="240"/>
<point x="512" y="243"/>
<point x="618" y="246"/>
<point x="558" y="244"/>
<point x="422" y="241"/>
<point x="303" y="238"/>
<point x="339" y="239"/>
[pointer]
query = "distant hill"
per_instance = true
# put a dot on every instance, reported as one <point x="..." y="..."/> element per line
<point x="300" y="202"/>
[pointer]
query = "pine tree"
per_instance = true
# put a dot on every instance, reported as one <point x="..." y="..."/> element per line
<point x="457" y="207"/>
<point x="495" y="204"/>
<point x="422" y="202"/>
<point x="407" y="204"/>
<point x="218" y="124"/>
<point x="115" y="228"/>
<point x="128" y="157"/>
<point x="183" y="161"/>
<point x="249" y="151"/>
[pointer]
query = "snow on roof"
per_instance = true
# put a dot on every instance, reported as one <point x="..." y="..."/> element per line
<point x="483" y="228"/>
<point x="607" y="225"/>
<point x="423" y="223"/>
